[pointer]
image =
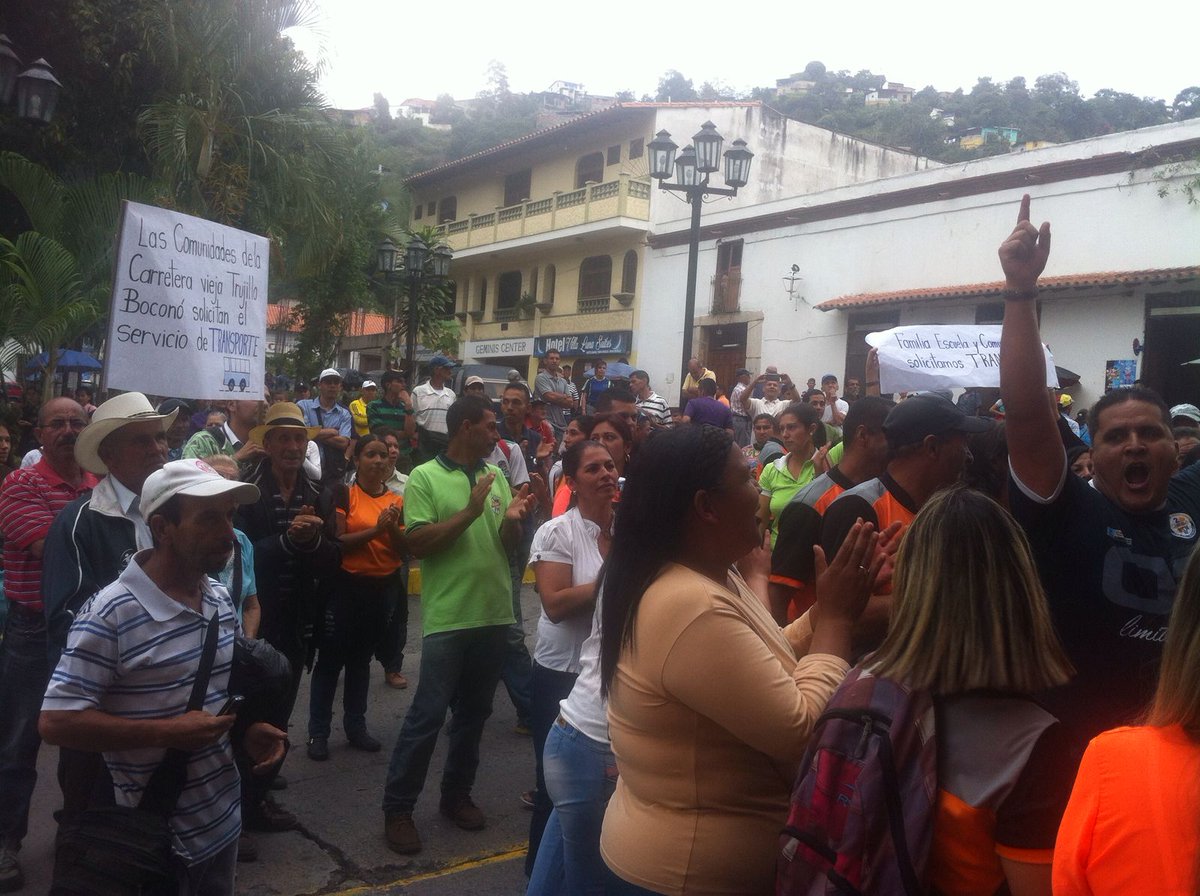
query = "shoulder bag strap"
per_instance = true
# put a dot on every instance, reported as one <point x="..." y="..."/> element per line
<point x="167" y="782"/>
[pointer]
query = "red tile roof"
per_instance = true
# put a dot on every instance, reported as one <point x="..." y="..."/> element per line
<point x="995" y="289"/>
<point x="599" y="115"/>
<point x="358" y="323"/>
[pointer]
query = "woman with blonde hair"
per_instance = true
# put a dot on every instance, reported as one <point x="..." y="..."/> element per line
<point x="1131" y="825"/>
<point x="970" y="625"/>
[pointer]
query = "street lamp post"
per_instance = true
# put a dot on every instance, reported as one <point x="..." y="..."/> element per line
<point x="417" y="257"/>
<point x="35" y="90"/>
<point x="692" y="169"/>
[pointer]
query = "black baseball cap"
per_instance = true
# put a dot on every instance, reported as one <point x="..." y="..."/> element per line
<point x="927" y="415"/>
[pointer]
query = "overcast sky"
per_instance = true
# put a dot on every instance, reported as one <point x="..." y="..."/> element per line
<point x="422" y="50"/>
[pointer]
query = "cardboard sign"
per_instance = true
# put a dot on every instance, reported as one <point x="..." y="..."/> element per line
<point x="189" y="307"/>
<point x="942" y="356"/>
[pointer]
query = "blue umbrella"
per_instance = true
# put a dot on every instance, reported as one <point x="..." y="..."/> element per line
<point x="616" y="371"/>
<point x="68" y="360"/>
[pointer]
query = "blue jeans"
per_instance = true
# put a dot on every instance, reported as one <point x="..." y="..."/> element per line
<point x="518" y="666"/>
<point x="581" y="775"/>
<point x="24" y="672"/>
<point x="618" y="886"/>
<point x="463" y="666"/>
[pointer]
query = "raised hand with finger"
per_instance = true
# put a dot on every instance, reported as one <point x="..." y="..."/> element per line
<point x="1023" y="255"/>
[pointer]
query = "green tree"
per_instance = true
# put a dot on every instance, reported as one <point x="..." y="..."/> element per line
<point x="674" y="87"/>
<point x="57" y="275"/>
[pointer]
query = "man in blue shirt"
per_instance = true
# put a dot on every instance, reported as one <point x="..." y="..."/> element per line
<point x="334" y="422"/>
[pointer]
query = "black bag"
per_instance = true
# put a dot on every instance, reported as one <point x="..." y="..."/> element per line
<point x="126" y="851"/>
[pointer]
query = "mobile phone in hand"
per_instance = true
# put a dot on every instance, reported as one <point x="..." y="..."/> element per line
<point x="231" y="705"/>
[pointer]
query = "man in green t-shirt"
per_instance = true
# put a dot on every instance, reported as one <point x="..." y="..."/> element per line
<point x="461" y="519"/>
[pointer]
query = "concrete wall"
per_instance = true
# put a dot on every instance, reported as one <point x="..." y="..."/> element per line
<point x="791" y="159"/>
<point x="1111" y="222"/>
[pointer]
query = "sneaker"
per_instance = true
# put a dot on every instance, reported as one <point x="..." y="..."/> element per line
<point x="401" y="833"/>
<point x="463" y="812"/>
<point x="11" y="877"/>
<point x="396" y="680"/>
<point x="247" y="848"/>
<point x="318" y="749"/>
<point x="360" y="740"/>
<point x="528" y="799"/>
<point x="268" y="818"/>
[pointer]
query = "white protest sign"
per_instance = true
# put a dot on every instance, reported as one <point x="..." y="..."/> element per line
<point x="942" y="356"/>
<point x="189" y="307"/>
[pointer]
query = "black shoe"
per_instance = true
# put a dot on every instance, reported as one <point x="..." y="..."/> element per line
<point x="318" y="749"/>
<point x="360" y="740"/>
<point x="267" y="818"/>
<point x="11" y="877"/>
<point x="247" y="848"/>
<point x="279" y="782"/>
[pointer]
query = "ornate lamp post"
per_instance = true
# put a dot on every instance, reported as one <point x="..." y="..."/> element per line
<point x="36" y="89"/>
<point x="692" y="168"/>
<point x="417" y="258"/>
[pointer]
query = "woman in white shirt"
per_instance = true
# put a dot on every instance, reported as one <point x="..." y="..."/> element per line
<point x="566" y="556"/>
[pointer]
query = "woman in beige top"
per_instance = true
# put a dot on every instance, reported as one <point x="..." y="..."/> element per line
<point x="709" y="708"/>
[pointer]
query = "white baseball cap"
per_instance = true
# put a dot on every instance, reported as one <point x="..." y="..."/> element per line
<point x="327" y="373"/>
<point x="369" y="384"/>
<point x="194" y="478"/>
<point x="473" y="381"/>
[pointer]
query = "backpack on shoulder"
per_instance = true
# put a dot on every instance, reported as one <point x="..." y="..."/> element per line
<point x="862" y="810"/>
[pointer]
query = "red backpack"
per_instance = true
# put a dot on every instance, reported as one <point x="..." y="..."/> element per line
<point x="861" y="818"/>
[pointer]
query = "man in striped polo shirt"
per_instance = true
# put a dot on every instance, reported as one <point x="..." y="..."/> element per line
<point x="394" y="409"/>
<point x="30" y="499"/>
<point x="123" y="684"/>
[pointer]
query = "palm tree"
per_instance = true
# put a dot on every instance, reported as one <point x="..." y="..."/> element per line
<point x="55" y="278"/>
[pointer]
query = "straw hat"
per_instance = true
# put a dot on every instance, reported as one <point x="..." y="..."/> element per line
<point x="282" y="413"/>
<point x="130" y="407"/>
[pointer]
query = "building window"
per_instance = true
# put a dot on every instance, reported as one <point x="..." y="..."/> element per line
<point x="861" y="323"/>
<point x="614" y="155"/>
<point x="636" y="147"/>
<point x="448" y="209"/>
<point x="989" y="313"/>
<point x="418" y="212"/>
<point x="516" y="187"/>
<point x="508" y="293"/>
<point x="551" y="276"/>
<point x="533" y="283"/>
<point x="589" y="168"/>
<point x="483" y="293"/>
<point x="595" y="283"/>
<point x="430" y="209"/>
<point x="450" y="299"/>
<point x="727" y="284"/>
<point x="629" y="272"/>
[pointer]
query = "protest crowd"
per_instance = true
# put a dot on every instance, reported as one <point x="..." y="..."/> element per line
<point x="792" y="636"/>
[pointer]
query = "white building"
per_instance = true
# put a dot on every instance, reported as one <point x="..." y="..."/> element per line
<point x="921" y="248"/>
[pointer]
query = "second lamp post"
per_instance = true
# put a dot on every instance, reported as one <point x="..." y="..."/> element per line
<point x="416" y="256"/>
<point x="692" y="168"/>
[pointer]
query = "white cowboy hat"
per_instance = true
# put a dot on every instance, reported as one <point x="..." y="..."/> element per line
<point x="130" y="407"/>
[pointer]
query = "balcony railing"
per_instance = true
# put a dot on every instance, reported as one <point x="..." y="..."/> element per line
<point x="727" y="292"/>
<point x="624" y="197"/>
<point x="594" y="306"/>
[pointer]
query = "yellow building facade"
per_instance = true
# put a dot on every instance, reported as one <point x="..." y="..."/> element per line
<point x="548" y="234"/>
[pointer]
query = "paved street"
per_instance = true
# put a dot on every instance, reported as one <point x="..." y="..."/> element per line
<point x="340" y="848"/>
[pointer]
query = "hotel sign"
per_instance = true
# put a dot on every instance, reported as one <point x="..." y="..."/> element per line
<point x="612" y="342"/>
